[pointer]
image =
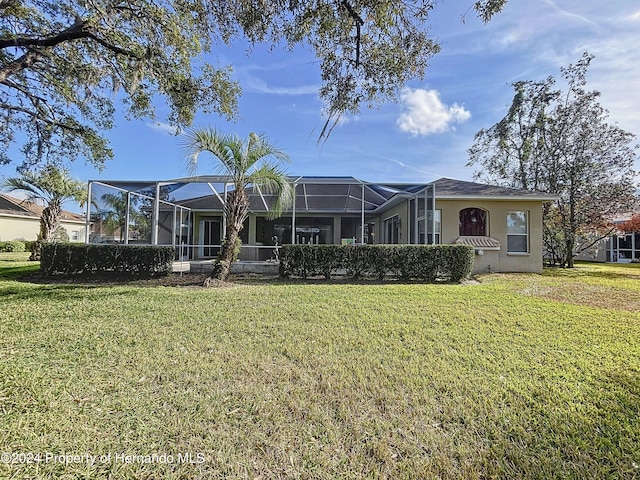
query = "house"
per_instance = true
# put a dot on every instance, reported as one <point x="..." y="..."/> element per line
<point x="504" y="225"/>
<point x="20" y="220"/>
<point x="620" y="247"/>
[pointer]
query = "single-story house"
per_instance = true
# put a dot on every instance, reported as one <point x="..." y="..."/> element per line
<point x="504" y="225"/>
<point x="20" y="220"/>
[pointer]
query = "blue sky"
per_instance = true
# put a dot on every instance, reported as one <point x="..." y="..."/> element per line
<point x="426" y="134"/>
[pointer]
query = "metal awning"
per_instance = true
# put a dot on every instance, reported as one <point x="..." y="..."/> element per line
<point x="479" y="243"/>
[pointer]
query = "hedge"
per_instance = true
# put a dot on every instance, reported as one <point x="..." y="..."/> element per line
<point x="82" y="259"/>
<point x="418" y="262"/>
<point x="12" y="246"/>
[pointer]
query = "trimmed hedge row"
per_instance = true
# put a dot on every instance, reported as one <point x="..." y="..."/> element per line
<point x="16" y="245"/>
<point x="420" y="262"/>
<point x="13" y="246"/>
<point x="82" y="259"/>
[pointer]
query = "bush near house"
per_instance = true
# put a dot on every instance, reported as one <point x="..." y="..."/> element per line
<point x="420" y="262"/>
<point x="12" y="246"/>
<point x="28" y="245"/>
<point x="81" y="259"/>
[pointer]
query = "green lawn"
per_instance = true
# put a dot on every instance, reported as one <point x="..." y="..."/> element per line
<point x="517" y="376"/>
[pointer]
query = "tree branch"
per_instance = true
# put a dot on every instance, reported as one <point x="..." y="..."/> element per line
<point x="359" y="22"/>
<point x="7" y="3"/>
<point x="114" y="48"/>
<point x="74" y="32"/>
<point x="25" y="61"/>
<point x="79" y="30"/>
<point x="36" y="115"/>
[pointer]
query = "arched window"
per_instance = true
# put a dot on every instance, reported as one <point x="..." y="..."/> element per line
<point x="473" y="222"/>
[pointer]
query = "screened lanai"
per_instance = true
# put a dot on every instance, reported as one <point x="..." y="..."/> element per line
<point x="188" y="213"/>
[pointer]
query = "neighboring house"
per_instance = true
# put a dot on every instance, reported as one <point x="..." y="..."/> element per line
<point x="504" y="225"/>
<point x="620" y="247"/>
<point x="101" y="233"/>
<point x="20" y="220"/>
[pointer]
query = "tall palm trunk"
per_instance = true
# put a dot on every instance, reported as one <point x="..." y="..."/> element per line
<point x="236" y="211"/>
<point x="49" y="223"/>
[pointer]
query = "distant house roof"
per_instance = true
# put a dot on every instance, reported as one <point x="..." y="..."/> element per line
<point x="17" y="207"/>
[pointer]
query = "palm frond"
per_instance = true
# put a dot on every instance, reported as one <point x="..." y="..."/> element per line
<point x="26" y="184"/>
<point x="226" y="148"/>
<point x="259" y="148"/>
<point x="50" y="184"/>
<point x="273" y="180"/>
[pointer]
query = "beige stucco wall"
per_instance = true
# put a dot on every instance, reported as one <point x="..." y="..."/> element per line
<point x="499" y="261"/>
<point x="495" y="261"/>
<point x="402" y="210"/>
<point x="22" y="228"/>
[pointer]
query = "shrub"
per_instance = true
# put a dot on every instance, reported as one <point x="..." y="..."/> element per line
<point x="421" y="262"/>
<point x="81" y="259"/>
<point x="14" y="246"/>
<point x="28" y="245"/>
<point x="60" y="235"/>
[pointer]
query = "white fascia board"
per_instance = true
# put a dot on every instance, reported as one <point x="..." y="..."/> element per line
<point x="499" y="198"/>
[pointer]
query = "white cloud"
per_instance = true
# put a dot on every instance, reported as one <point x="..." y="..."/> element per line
<point x="260" y="86"/>
<point x="424" y="113"/>
<point x="164" y="127"/>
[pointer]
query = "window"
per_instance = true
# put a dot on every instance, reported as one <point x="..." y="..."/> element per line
<point x="209" y="236"/>
<point x="391" y="229"/>
<point x="473" y="222"/>
<point x="518" y="232"/>
<point x="429" y="223"/>
<point x="75" y="235"/>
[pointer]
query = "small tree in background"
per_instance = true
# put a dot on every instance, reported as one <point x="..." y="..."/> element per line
<point x="559" y="142"/>
<point x="245" y="164"/>
<point x="52" y="185"/>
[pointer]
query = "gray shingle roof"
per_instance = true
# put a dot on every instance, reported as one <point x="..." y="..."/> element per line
<point x="447" y="187"/>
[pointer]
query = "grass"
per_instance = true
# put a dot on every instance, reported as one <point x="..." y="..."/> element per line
<point x="517" y="376"/>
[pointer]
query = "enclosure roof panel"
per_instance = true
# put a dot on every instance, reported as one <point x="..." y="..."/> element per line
<point x="322" y="193"/>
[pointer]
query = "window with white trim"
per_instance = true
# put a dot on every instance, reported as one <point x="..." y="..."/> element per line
<point x="518" y="232"/>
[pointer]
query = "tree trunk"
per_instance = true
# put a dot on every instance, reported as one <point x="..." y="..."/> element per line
<point x="570" y="243"/>
<point x="49" y="223"/>
<point x="236" y="211"/>
<point x="227" y="256"/>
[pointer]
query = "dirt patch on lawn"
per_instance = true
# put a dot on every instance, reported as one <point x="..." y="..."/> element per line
<point x="588" y="295"/>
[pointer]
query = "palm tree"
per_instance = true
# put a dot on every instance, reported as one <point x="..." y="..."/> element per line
<point x="116" y="216"/>
<point x="245" y="164"/>
<point x="52" y="185"/>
